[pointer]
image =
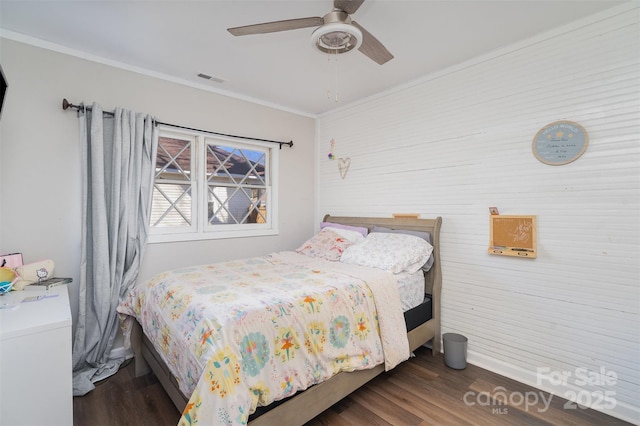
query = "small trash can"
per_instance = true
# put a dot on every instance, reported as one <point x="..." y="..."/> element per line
<point x="455" y="350"/>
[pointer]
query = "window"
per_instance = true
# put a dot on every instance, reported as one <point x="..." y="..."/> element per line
<point x="212" y="187"/>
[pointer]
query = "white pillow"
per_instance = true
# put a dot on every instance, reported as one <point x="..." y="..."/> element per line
<point x="392" y="252"/>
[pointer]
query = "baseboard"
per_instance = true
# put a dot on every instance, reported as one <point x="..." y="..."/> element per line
<point x="621" y="410"/>
<point x="120" y="352"/>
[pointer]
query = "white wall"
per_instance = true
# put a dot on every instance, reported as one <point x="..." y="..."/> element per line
<point x="455" y="143"/>
<point x="40" y="157"/>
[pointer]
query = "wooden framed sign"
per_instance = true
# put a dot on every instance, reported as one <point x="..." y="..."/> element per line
<point x="513" y="236"/>
<point x="560" y="142"/>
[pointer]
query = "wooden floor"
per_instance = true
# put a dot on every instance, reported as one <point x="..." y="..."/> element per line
<point x="422" y="391"/>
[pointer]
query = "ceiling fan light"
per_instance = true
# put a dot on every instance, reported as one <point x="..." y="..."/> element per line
<point x="336" y="38"/>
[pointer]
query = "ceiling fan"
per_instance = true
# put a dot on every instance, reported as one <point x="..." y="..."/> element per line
<point x="336" y="32"/>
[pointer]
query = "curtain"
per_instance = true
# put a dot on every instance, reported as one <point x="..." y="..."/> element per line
<point x="118" y="161"/>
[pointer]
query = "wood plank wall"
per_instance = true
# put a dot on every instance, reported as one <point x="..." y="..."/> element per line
<point x="455" y="143"/>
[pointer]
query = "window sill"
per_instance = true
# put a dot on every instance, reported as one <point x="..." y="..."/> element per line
<point x="175" y="238"/>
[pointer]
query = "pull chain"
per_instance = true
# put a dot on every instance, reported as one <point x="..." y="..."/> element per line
<point x="335" y="78"/>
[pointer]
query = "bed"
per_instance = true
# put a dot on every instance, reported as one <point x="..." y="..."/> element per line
<point x="420" y="319"/>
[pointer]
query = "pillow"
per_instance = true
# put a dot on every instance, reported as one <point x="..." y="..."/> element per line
<point x="326" y="244"/>
<point x="392" y="252"/>
<point x="363" y="231"/>
<point x="32" y="273"/>
<point x="353" y="236"/>
<point x="424" y="235"/>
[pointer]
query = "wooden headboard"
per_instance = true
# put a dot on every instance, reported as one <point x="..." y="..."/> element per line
<point x="433" y="278"/>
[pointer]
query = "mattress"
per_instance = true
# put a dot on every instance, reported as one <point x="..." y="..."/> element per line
<point x="411" y="289"/>
<point x="419" y="315"/>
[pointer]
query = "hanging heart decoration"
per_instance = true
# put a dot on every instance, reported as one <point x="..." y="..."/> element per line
<point x="343" y="166"/>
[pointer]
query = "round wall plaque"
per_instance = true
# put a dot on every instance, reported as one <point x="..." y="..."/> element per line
<point x="560" y="142"/>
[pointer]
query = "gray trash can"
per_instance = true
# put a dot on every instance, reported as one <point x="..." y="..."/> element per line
<point x="455" y="350"/>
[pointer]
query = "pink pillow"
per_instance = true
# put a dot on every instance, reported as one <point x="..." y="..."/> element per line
<point x="326" y="244"/>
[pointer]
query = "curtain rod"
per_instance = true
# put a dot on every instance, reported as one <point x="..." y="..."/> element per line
<point x="66" y="105"/>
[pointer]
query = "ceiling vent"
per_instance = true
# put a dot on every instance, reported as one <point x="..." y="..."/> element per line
<point x="211" y="78"/>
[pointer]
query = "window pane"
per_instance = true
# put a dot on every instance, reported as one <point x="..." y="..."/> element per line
<point x="235" y="205"/>
<point x="173" y="161"/>
<point x="240" y="166"/>
<point x="171" y="206"/>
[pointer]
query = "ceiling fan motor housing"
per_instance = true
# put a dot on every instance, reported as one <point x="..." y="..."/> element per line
<point x="337" y="35"/>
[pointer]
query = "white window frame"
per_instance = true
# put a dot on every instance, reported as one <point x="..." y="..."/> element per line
<point x="174" y="233"/>
<point x="200" y="229"/>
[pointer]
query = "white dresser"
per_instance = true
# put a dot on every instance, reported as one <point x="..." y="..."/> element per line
<point x="35" y="359"/>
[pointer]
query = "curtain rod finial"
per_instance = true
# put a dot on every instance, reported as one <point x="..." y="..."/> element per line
<point x="66" y="104"/>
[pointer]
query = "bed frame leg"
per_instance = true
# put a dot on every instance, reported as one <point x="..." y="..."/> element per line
<point x="141" y="366"/>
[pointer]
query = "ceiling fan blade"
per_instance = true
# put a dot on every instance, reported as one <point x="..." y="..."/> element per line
<point x="349" y="6"/>
<point x="272" y="27"/>
<point x="372" y="47"/>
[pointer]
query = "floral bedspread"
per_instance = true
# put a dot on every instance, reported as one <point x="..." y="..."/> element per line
<point x="246" y="333"/>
